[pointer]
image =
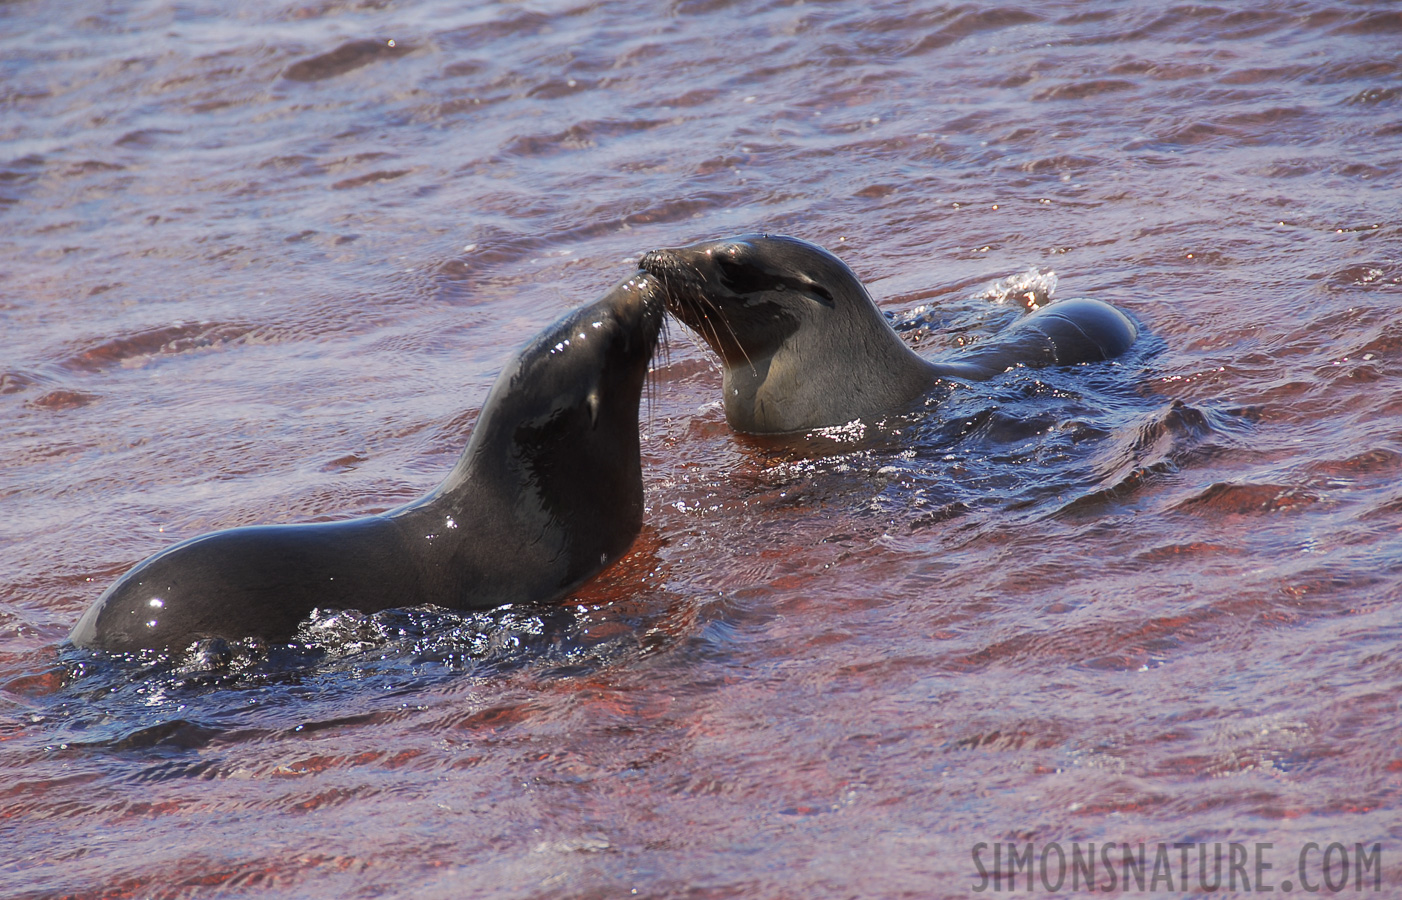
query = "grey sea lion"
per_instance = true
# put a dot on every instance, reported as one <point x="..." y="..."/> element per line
<point x="547" y="493"/>
<point x="803" y="346"/>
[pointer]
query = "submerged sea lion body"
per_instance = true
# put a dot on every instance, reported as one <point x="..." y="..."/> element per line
<point x="803" y="346"/>
<point x="547" y="493"/>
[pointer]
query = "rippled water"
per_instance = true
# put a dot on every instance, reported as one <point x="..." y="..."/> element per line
<point x="260" y="265"/>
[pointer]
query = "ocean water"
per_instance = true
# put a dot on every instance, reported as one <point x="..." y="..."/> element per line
<point x="262" y="263"/>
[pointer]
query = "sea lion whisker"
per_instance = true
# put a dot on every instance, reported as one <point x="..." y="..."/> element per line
<point x="725" y="320"/>
<point x="661" y="344"/>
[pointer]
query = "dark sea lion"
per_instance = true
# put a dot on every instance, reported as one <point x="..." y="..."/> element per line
<point x="548" y="492"/>
<point x="803" y="346"/>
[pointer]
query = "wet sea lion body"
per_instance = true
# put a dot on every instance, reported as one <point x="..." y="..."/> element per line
<point x="547" y="493"/>
<point x="803" y="346"/>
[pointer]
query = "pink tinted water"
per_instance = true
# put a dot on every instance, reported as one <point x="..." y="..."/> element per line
<point x="259" y="265"/>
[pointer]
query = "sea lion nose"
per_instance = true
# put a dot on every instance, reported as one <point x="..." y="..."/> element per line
<point x="652" y="261"/>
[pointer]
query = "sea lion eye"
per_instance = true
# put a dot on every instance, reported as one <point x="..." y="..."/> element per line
<point x="822" y="294"/>
<point x="740" y="278"/>
<point x="751" y="279"/>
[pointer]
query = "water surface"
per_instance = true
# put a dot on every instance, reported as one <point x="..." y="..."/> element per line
<point x="262" y="265"/>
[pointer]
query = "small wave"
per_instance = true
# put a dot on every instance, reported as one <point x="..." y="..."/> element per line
<point x="1029" y="290"/>
<point x="410" y="646"/>
<point x="218" y="693"/>
<point x="1385" y="275"/>
<point x="1247" y="498"/>
<point x="145" y="138"/>
<point x="580" y="136"/>
<point x="169" y="340"/>
<point x="480" y="36"/>
<point x="1080" y="90"/>
<point x="378" y="177"/>
<point x="345" y="58"/>
<point x="62" y="399"/>
<point x="1161" y="443"/>
<point x="966" y="23"/>
<point x="1373" y="23"/>
<point x="13" y="382"/>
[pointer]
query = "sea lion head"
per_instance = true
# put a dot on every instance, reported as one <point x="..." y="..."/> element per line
<point x="747" y="295"/>
<point x="801" y="342"/>
<point x="559" y="431"/>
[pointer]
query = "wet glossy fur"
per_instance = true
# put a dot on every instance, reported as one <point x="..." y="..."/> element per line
<point x="803" y="345"/>
<point x="547" y="493"/>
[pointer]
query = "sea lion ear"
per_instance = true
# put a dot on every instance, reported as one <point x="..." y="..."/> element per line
<point x="591" y="403"/>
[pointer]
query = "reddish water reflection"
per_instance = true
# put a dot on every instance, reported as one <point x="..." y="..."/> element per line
<point x="262" y="266"/>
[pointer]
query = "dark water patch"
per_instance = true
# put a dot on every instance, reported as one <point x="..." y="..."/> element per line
<point x="1187" y="24"/>
<point x="1379" y="464"/>
<point x="494" y="252"/>
<point x="180" y="769"/>
<point x="1167" y="70"/>
<point x="145" y="138"/>
<point x="1238" y="130"/>
<point x="1264" y="75"/>
<point x="1297" y="167"/>
<point x="1374" y="96"/>
<point x="174" y="734"/>
<point x="90" y="166"/>
<point x="1372" y="23"/>
<point x="489" y="250"/>
<point x="1080" y="90"/>
<point x="701" y="7"/>
<point x="13" y="382"/>
<point x="346" y="58"/>
<point x="379" y="177"/>
<point x="1204" y="550"/>
<point x="1014" y="737"/>
<point x="949" y="26"/>
<point x="581" y="136"/>
<point x="1061" y="165"/>
<point x="609" y="219"/>
<point x="1382" y="274"/>
<point x="141" y="347"/>
<point x="19" y="174"/>
<point x="62" y="399"/>
<point x="689" y="99"/>
<point x="1248" y="499"/>
<point x="296" y="164"/>
<point x="476" y="37"/>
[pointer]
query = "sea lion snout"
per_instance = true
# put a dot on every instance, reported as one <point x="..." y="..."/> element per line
<point x="682" y="282"/>
<point x="673" y="270"/>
